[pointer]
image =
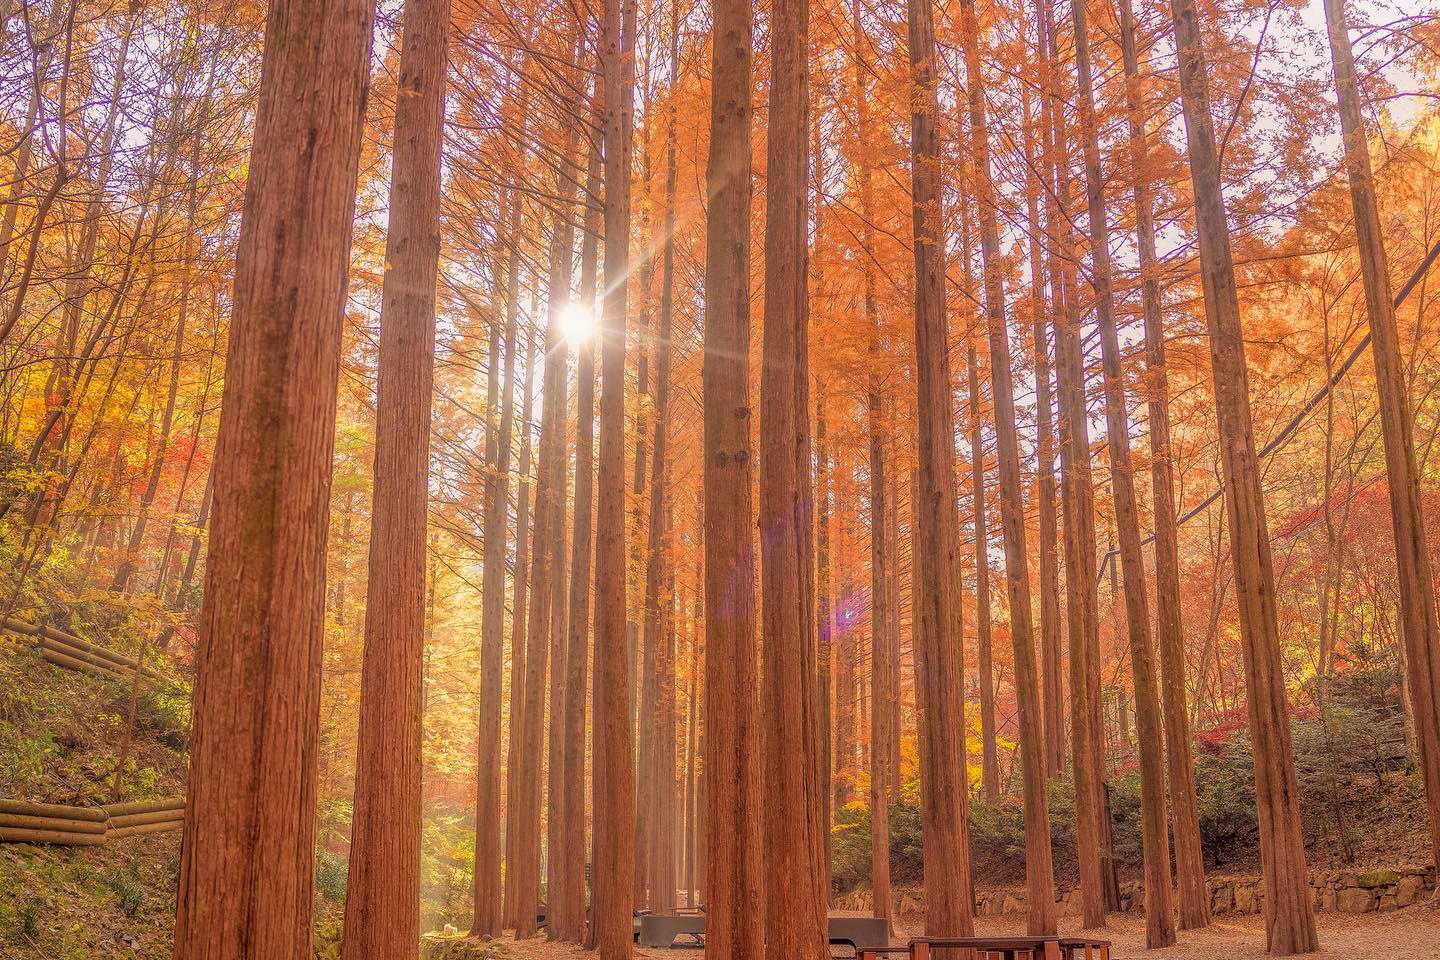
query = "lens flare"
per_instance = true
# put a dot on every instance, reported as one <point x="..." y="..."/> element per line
<point x="578" y="322"/>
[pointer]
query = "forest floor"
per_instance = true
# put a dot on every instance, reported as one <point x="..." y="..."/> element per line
<point x="1411" y="934"/>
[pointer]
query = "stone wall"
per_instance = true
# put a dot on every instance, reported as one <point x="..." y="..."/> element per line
<point x="1341" y="891"/>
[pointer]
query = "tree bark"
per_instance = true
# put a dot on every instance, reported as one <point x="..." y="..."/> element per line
<point x="949" y="889"/>
<point x="487" y="886"/>
<point x="568" y="905"/>
<point x="382" y="901"/>
<point x="1290" y="923"/>
<point x="1082" y="602"/>
<point x="514" y="758"/>
<point x="659" y="864"/>
<point x="247" y="890"/>
<point x="547" y="552"/>
<point x="984" y="653"/>
<point x="734" y="871"/>
<point x="614" y="856"/>
<point x="1412" y="557"/>
<point x="1052" y="699"/>
<point x="1194" y="897"/>
<point x="1155" y="841"/>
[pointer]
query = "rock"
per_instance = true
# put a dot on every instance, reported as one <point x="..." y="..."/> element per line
<point x="1387" y="903"/>
<point x="1355" y="900"/>
<point x="1327" y="899"/>
<point x="1012" y="904"/>
<point x="1223" y="900"/>
<point x="1245" y="901"/>
<point x="1377" y="878"/>
<point x="1408" y="890"/>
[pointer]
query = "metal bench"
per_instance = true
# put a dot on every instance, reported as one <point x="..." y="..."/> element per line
<point x="662" y="930"/>
<point x="858" y="933"/>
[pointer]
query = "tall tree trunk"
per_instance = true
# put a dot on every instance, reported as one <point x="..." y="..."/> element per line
<point x="825" y="621"/>
<point x="882" y="668"/>
<point x="1155" y="841"/>
<point x="547" y="551"/>
<point x="949" y="889"/>
<point x="615" y="794"/>
<point x="734" y="872"/>
<point x="1039" y="867"/>
<point x="1289" y="921"/>
<point x="1081" y="601"/>
<point x="1052" y="698"/>
<point x="880" y="664"/>
<point x="519" y="647"/>
<point x="825" y="672"/>
<point x="660" y="875"/>
<point x="1194" y="897"/>
<point x="247" y="870"/>
<point x="568" y="905"/>
<point x="487" y="886"/>
<point x="795" y="916"/>
<point x="382" y="901"/>
<point x="1412" y="557"/>
<point x="984" y="654"/>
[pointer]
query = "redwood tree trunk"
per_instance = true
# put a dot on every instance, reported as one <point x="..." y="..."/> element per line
<point x="734" y="871"/>
<point x="1039" y="866"/>
<point x="1194" y="897"/>
<point x="614" y="857"/>
<point x="1155" y="841"/>
<point x="949" y="890"/>
<point x="487" y="888"/>
<point x="1052" y="698"/>
<point x="382" y="901"/>
<point x="569" y="919"/>
<point x="1081" y="601"/>
<point x="1412" y="557"/>
<point x="1289" y="921"/>
<point x="518" y="633"/>
<point x="247" y="868"/>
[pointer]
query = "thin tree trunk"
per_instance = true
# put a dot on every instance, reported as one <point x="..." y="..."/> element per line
<point x="1039" y="867"/>
<point x="734" y="871"/>
<point x="1155" y="840"/>
<point x="1290" y="923"/>
<point x="246" y="889"/>
<point x="659" y="866"/>
<point x="984" y="654"/>
<point x="487" y="883"/>
<point x="547" y="552"/>
<point x="519" y="647"/>
<point x="1194" y="897"/>
<point x="1412" y="558"/>
<point x="949" y="889"/>
<point x="568" y="905"/>
<point x="382" y="902"/>
<point x="615" y="794"/>
<point x="1052" y="699"/>
<point x="1082" y="602"/>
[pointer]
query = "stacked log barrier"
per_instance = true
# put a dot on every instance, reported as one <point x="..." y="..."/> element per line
<point x="133" y="819"/>
<point x="25" y="822"/>
<point x="69" y="651"/>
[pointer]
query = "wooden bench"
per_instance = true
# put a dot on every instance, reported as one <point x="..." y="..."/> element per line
<point x="1000" y="948"/>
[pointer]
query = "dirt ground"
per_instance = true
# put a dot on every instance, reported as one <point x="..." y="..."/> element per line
<point x="1412" y="934"/>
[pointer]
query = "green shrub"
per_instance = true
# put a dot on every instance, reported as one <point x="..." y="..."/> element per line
<point x="331" y="876"/>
